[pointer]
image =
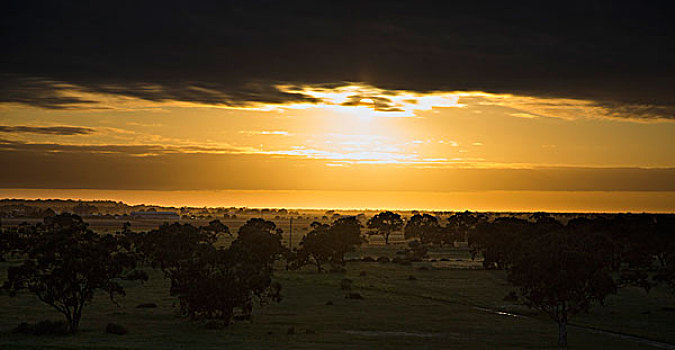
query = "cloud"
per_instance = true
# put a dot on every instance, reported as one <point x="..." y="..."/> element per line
<point x="123" y="149"/>
<point x="210" y="171"/>
<point x="236" y="54"/>
<point x="47" y="130"/>
<point x="265" y="132"/>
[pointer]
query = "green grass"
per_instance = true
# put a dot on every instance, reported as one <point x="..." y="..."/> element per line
<point x="446" y="307"/>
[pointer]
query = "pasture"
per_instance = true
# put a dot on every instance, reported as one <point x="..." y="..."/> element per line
<point x="446" y="303"/>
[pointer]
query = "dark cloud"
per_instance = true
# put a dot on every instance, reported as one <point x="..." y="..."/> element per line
<point x="40" y="166"/>
<point x="236" y="52"/>
<point x="130" y="150"/>
<point x="46" y="130"/>
<point x="378" y="103"/>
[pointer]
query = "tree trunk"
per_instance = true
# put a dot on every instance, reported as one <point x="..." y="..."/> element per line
<point x="386" y="239"/>
<point x="562" y="334"/>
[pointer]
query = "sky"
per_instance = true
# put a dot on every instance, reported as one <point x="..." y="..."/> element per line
<point x="483" y="106"/>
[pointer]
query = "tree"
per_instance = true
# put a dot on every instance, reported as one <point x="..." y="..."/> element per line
<point x="215" y="227"/>
<point x="329" y="243"/>
<point x="84" y="209"/>
<point x="259" y="242"/>
<point x="665" y="253"/>
<point x="561" y="274"/>
<point x="216" y="283"/>
<point x="425" y="227"/>
<point x="315" y="247"/>
<point x="459" y="225"/>
<point x="500" y="240"/>
<point x="344" y="235"/>
<point x="384" y="224"/>
<point x="65" y="263"/>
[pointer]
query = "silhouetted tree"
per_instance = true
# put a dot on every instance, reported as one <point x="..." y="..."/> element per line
<point x="664" y="238"/>
<point x="561" y="274"/>
<point x="215" y="227"/>
<point x="459" y="225"/>
<point x="345" y="235"/>
<point x="384" y="224"/>
<point x="65" y="263"/>
<point x="499" y="240"/>
<point x="425" y="227"/>
<point x="84" y="209"/>
<point x="259" y="242"/>
<point x="329" y="243"/>
<point x="315" y="247"/>
<point x="215" y="283"/>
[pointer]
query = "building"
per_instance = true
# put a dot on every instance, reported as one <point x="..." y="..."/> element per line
<point x="155" y="215"/>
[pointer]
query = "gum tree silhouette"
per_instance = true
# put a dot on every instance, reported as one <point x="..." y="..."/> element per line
<point x="562" y="274"/>
<point x="384" y="224"/>
<point x="329" y="243"/>
<point x="425" y="227"/>
<point x="65" y="263"/>
<point x="216" y="283"/>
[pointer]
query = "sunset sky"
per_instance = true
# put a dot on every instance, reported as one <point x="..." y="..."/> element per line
<point x="381" y="105"/>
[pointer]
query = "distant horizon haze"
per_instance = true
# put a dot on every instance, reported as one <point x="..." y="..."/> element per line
<point x="497" y="201"/>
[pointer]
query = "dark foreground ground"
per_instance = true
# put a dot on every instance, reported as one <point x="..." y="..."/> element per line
<point x="446" y="304"/>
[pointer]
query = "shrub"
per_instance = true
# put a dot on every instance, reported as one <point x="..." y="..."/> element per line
<point x="214" y="324"/>
<point x="45" y="327"/>
<point x="146" y="306"/>
<point x="116" y="328"/>
<point x="383" y="259"/>
<point x="512" y="296"/>
<point x="354" y="296"/>
<point x="346" y="284"/>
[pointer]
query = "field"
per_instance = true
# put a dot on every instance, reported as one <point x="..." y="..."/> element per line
<point x="440" y="304"/>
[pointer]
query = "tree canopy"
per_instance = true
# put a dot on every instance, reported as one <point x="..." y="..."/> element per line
<point x="329" y="243"/>
<point x="65" y="263"/>
<point x="561" y="274"/>
<point x="384" y="224"/>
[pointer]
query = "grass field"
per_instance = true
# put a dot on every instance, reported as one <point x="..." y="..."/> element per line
<point x="448" y="304"/>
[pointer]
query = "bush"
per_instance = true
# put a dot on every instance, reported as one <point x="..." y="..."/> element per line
<point x="362" y="273"/>
<point x="146" y="306"/>
<point x="45" y="327"/>
<point x="383" y="259"/>
<point x="353" y="296"/>
<point x="346" y="284"/>
<point x="116" y="328"/>
<point x="367" y="259"/>
<point x="511" y="296"/>
<point x="412" y="278"/>
<point x="214" y="324"/>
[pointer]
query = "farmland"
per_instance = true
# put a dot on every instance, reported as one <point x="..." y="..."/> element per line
<point x="446" y="301"/>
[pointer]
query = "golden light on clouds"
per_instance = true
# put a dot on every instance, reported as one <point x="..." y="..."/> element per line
<point x="348" y="137"/>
